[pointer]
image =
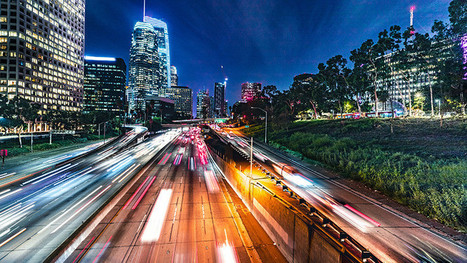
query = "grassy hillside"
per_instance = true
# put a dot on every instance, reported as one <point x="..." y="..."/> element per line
<point x="420" y="164"/>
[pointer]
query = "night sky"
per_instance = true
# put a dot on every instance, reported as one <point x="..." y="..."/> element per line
<point x="267" y="41"/>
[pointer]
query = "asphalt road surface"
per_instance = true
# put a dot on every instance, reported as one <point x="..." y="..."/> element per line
<point x="177" y="211"/>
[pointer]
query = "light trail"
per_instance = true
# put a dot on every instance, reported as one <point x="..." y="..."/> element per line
<point x="81" y="208"/>
<point x="143" y="194"/>
<point x="12" y="237"/>
<point x="135" y="193"/>
<point x="153" y="228"/>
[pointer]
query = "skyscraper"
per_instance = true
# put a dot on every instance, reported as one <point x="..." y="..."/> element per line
<point x="173" y="76"/>
<point x="183" y="98"/>
<point x="144" y="66"/>
<point x="162" y="35"/>
<point x="104" y="84"/>
<point x="250" y="91"/>
<point x="41" y="52"/>
<point x="219" y="100"/>
<point x="203" y="104"/>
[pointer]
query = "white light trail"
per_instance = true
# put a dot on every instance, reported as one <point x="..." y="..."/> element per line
<point x="153" y="228"/>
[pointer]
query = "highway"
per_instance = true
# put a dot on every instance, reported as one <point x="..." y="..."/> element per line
<point x="176" y="211"/>
<point x="38" y="213"/>
<point x="389" y="234"/>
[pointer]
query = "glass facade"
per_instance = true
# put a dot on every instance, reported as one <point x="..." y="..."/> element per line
<point x="183" y="98"/>
<point x="42" y="52"/>
<point x="104" y="85"/>
<point x="162" y="36"/>
<point x="219" y="100"/>
<point x="173" y="76"/>
<point x="144" y="71"/>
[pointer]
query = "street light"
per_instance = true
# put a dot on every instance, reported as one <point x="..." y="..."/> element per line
<point x="266" y="129"/>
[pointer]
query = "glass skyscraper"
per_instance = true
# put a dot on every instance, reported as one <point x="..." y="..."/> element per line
<point x="42" y="52"/>
<point x="144" y="73"/>
<point x="162" y="35"/>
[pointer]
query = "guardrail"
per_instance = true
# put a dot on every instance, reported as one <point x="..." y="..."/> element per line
<point x="301" y="231"/>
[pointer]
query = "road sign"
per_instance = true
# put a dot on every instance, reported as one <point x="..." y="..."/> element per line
<point x="3" y="152"/>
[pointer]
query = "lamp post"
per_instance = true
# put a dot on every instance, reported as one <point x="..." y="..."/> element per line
<point x="266" y="124"/>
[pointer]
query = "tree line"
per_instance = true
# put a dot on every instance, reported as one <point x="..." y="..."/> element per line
<point x="376" y="71"/>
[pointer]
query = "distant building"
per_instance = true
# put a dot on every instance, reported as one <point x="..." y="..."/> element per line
<point x="203" y="104"/>
<point x="162" y="35"/>
<point x="304" y="79"/>
<point x="211" y="107"/>
<point x="219" y="100"/>
<point x="42" y="52"/>
<point x="401" y="85"/>
<point x="144" y="70"/>
<point x="158" y="106"/>
<point x="250" y="91"/>
<point x="173" y="76"/>
<point x="104" y="84"/>
<point x="183" y="98"/>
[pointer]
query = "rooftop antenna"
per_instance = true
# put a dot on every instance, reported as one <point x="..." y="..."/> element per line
<point x="144" y="10"/>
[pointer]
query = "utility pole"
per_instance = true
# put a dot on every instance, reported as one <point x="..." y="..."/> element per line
<point x="32" y="139"/>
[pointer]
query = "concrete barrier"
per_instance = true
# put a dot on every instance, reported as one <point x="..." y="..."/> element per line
<point x="299" y="237"/>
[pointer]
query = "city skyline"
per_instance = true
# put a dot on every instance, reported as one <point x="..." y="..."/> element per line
<point x="255" y="56"/>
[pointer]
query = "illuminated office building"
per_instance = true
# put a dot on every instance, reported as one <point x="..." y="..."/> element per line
<point x="162" y="36"/>
<point x="203" y="104"/>
<point x="41" y="52"/>
<point x="104" y="84"/>
<point x="144" y="73"/>
<point x="219" y="100"/>
<point x="250" y="91"/>
<point x="173" y="76"/>
<point x="183" y="98"/>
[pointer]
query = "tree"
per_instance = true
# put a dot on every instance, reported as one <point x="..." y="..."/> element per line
<point x="458" y="17"/>
<point x="18" y="111"/>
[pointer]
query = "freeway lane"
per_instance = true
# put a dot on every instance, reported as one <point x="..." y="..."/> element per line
<point x="387" y="233"/>
<point x="175" y="212"/>
<point x="39" y="213"/>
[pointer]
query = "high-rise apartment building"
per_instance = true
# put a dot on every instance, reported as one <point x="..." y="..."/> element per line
<point x="250" y="91"/>
<point x="42" y="52"/>
<point x="183" y="98"/>
<point x="173" y="76"/>
<point x="104" y="84"/>
<point x="144" y="70"/>
<point x="203" y="104"/>
<point x="162" y="36"/>
<point x="219" y="100"/>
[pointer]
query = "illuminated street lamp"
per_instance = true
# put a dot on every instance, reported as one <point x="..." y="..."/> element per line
<point x="266" y="124"/>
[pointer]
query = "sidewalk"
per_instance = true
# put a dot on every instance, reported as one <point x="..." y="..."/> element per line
<point x="19" y="166"/>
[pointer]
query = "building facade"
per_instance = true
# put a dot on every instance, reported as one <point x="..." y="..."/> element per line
<point x="415" y="79"/>
<point x="173" y="76"/>
<point x="203" y="104"/>
<point x="42" y="52"/>
<point x="144" y="72"/>
<point x="183" y="98"/>
<point x="104" y="85"/>
<point x="159" y="107"/>
<point x="250" y="91"/>
<point x="219" y="100"/>
<point x="163" y="47"/>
